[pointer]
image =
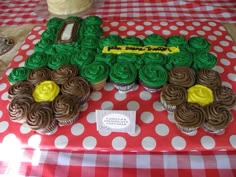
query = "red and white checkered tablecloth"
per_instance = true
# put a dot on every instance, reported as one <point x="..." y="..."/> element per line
<point x="16" y="12"/>
<point x="37" y="163"/>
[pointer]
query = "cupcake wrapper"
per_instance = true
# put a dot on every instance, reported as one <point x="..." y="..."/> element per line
<point x="210" y="130"/>
<point x="68" y="121"/>
<point x="187" y="130"/>
<point x="169" y="108"/>
<point x="50" y="130"/>
<point x="151" y="90"/>
<point x="99" y="85"/>
<point x="124" y="88"/>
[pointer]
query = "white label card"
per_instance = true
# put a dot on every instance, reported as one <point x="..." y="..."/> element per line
<point x="116" y="121"/>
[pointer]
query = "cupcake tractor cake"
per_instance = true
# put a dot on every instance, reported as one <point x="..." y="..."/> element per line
<point x="73" y="58"/>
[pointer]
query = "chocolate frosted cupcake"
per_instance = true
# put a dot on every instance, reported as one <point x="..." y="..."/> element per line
<point x="225" y="96"/>
<point x="123" y="76"/>
<point x="38" y="75"/>
<point x="96" y="74"/>
<point x="19" y="88"/>
<point x="19" y="108"/>
<point x="66" y="109"/>
<point x="172" y="95"/>
<point x="218" y="118"/>
<point x="152" y="77"/>
<point x="189" y="117"/>
<point x="64" y="73"/>
<point x="77" y="87"/>
<point x="182" y="75"/>
<point x="41" y="118"/>
<point x="18" y="74"/>
<point x="209" y="78"/>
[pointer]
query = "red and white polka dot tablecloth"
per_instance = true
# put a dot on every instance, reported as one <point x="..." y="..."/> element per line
<point x="155" y="130"/>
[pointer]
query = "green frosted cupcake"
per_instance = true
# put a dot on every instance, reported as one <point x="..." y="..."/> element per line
<point x="157" y="58"/>
<point x="37" y="60"/>
<point x="155" y="39"/>
<point x="132" y="41"/>
<point x="179" y="59"/>
<point x="198" y="44"/>
<point x="92" y="31"/>
<point x="54" y="23"/>
<point x="131" y="58"/>
<point x="123" y="76"/>
<point x="107" y="58"/>
<point x="57" y="60"/>
<point x="18" y="74"/>
<point x="153" y="77"/>
<point x="203" y="60"/>
<point x="177" y="41"/>
<point x="82" y="57"/>
<point x="93" y="20"/>
<point x="89" y="43"/>
<point x="110" y="40"/>
<point x="96" y="74"/>
<point x="44" y="45"/>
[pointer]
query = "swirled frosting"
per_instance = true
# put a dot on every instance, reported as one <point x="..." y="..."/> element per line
<point x="225" y="96"/>
<point x="203" y="60"/>
<point x="200" y="94"/>
<point x="19" y="107"/>
<point x="18" y="74"/>
<point x="41" y="118"/>
<point x="63" y="73"/>
<point x="154" y="39"/>
<point x="107" y="58"/>
<point x="37" y="60"/>
<point x="57" y="60"/>
<point x="110" y="40"/>
<point x="153" y="75"/>
<point x="176" y="40"/>
<point x="19" y="88"/>
<point x="46" y="91"/>
<point x="83" y="57"/>
<point x="130" y="40"/>
<point x="173" y="95"/>
<point x="179" y="59"/>
<point x="209" y="78"/>
<point x="92" y="20"/>
<point x="189" y="115"/>
<point x="65" y="108"/>
<point x="89" y="43"/>
<point x="198" y="44"/>
<point x="123" y="73"/>
<point x="95" y="72"/>
<point x="182" y="75"/>
<point x="39" y="74"/>
<point x="218" y="117"/>
<point x="77" y="86"/>
<point x="154" y="58"/>
<point x="92" y="31"/>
